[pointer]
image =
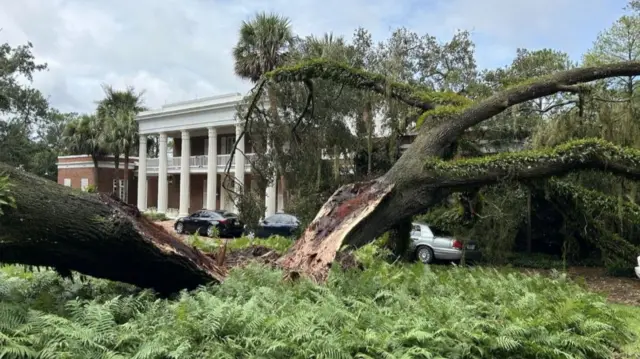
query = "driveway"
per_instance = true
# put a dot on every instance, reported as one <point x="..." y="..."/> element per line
<point x="168" y="226"/>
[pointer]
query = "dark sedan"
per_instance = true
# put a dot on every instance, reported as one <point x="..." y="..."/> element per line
<point x="280" y="224"/>
<point x="210" y="223"/>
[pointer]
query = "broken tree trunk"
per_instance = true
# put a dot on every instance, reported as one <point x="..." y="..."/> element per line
<point x="358" y="213"/>
<point x="95" y="234"/>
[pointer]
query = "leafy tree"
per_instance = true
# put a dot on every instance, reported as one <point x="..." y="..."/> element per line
<point x="20" y="103"/>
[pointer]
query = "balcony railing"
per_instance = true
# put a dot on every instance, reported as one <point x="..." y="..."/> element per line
<point x="173" y="163"/>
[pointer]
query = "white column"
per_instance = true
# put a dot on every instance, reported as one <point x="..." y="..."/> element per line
<point x="239" y="159"/>
<point x="270" y="199"/>
<point x="163" y="186"/>
<point x="185" y="175"/>
<point x="142" y="174"/>
<point x="212" y="168"/>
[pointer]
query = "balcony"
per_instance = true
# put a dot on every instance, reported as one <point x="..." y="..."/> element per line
<point x="196" y="163"/>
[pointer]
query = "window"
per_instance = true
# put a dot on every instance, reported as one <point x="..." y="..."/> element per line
<point x="416" y="228"/>
<point x="440" y="232"/>
<point x="67" y="182"/>
<point x="120" y="192"/>
<point x="226" y="144"/>
<point x="84" y="183"/>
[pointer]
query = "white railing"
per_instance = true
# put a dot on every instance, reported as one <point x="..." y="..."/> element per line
<point x="173" y="163"/>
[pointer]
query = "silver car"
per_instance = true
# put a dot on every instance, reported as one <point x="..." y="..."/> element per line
<point x="428" y="246"/>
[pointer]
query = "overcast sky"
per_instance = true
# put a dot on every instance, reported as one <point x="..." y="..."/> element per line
<point x="180" y="50"/>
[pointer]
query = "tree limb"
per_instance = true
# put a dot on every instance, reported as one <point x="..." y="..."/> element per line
<point x="415" y="96"/>
<point x="563" y="81"/>
<point x="527" y="165"/>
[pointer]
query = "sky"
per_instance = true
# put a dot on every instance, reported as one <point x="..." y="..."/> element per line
<point x="181" y="50"/>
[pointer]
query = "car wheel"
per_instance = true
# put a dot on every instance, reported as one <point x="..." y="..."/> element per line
<point x="425" y="254"/>
<point x="179" y="228"/>
<point x="211" y="230"/>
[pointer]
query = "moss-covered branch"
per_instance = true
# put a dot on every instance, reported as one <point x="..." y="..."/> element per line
<point x="526" y="165"/>
<point x="415" y="96"/>
<point x="564" y="81"/>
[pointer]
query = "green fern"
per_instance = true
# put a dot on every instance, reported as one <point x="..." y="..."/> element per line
<point x="385" y="311"/>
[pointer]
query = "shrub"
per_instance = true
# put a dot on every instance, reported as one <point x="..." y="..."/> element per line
<point x="156" y="216"/>
<point x="209" y="245"/>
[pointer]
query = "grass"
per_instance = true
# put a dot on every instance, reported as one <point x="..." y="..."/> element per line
<point x="385" y="311"/>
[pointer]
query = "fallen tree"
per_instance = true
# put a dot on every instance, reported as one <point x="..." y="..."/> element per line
<point x="357" y="213"/>
<point x="55" y="226"/>
<point x="96" y="235"/>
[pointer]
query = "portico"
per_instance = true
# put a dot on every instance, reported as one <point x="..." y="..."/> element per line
<point x="190" y="175"/>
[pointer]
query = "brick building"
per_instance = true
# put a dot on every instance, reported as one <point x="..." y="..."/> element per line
<point x="79" y="172"/>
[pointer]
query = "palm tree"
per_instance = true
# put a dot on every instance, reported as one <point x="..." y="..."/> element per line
<point x="85" y="135"/>
<point x="263" y="45"/>
<point x="119" y="109"/>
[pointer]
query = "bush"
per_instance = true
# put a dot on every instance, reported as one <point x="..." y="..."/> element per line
<point x="156" y="216"/>
<point x="278" y="244"/>
<point x="386" y="310"/>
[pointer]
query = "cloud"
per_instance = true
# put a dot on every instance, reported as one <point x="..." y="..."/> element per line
<point x="180" y="50"/>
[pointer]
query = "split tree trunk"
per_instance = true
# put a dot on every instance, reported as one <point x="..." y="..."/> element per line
<point x="358" y="213"/>
<point x="96" y="235"/>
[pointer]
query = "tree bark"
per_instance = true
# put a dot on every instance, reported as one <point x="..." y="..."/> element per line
<point x="96" y="235"/>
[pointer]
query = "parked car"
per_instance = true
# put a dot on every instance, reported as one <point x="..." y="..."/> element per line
<point x="428" y="244"/>
<point x="210" y="223"/>
<point x="638" y="268"/>
<point x="280" y="224"/>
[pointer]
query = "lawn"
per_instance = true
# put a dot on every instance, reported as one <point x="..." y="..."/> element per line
<point x="392" y="311"/>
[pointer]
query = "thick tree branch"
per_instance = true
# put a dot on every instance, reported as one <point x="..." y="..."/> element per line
<point x="527" y="165"/>
<point x="54" y="226"/>
<point x="415" y="96"/>
<point x="564" y="81"/>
